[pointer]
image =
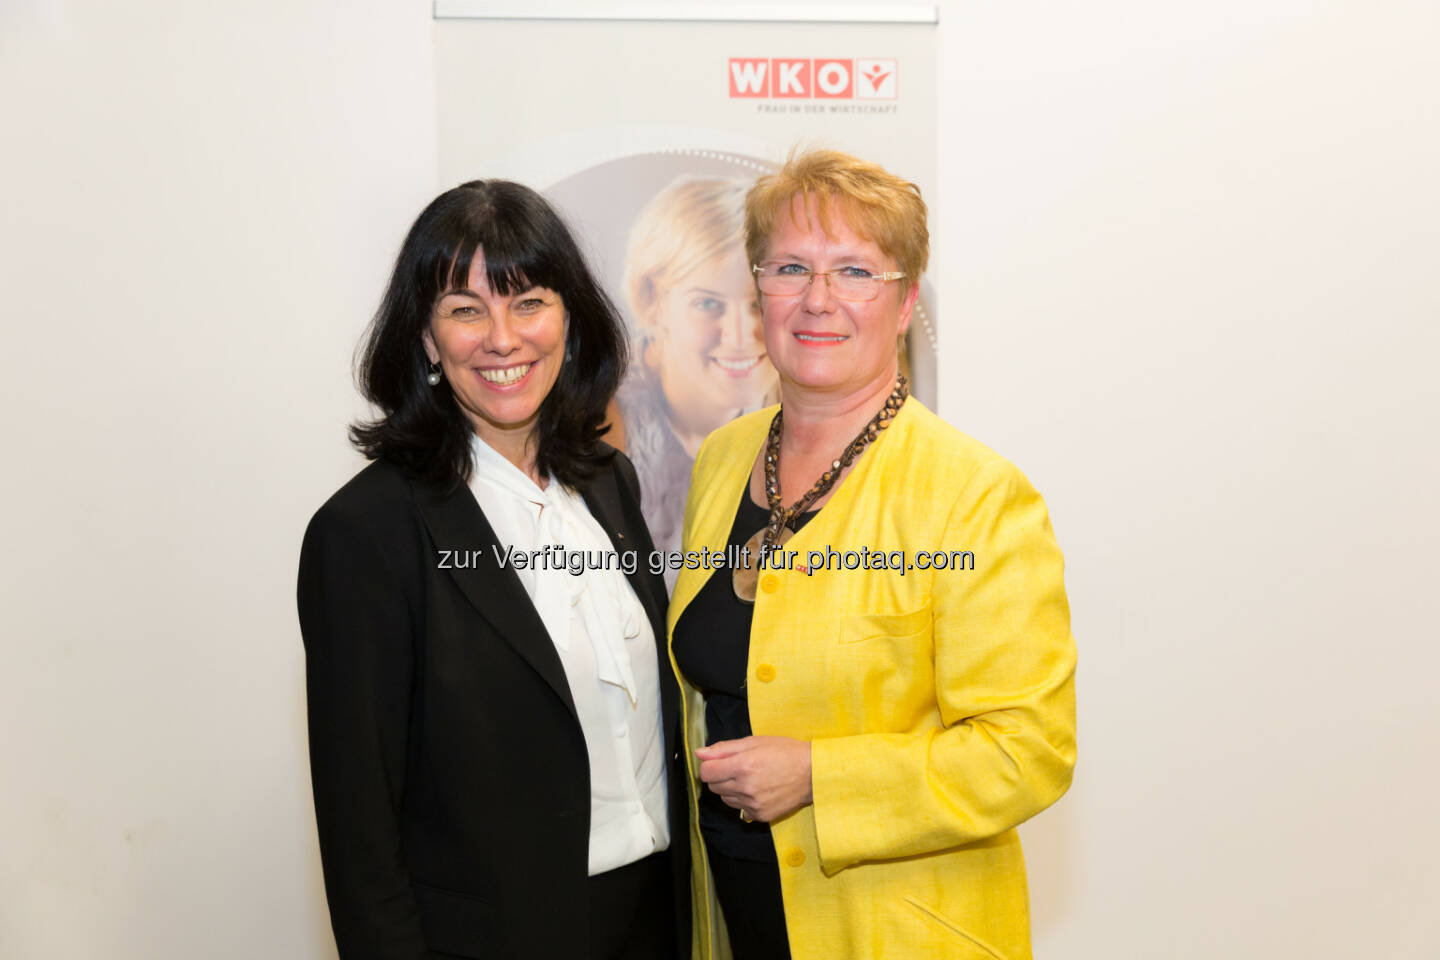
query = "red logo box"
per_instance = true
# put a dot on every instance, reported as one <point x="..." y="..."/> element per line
<point x="834" y="79"/>
<point x="790" y="79"/>
<point x="749" y="77"/>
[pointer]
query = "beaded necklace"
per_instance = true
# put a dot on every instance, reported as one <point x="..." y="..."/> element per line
<point x="777" y="532"/>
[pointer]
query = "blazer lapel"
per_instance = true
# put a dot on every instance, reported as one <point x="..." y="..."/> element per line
<point x="602" y="496"/>
<point x="710" y="513"/>
<point x="456" y="521"/>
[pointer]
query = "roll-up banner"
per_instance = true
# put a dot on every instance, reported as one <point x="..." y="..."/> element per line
<point x="645" y="124"/>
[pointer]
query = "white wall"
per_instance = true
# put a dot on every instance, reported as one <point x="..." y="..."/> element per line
<point x="1193" y="249"/>
<point x="201" y="204"/>
<point x="1184" y="252"/>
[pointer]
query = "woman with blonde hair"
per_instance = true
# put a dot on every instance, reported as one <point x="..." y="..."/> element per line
<point x="702" y="359"/>
<point x="870" y="715"/>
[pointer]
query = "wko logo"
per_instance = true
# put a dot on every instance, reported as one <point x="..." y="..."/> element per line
<point x="812" y="79"/>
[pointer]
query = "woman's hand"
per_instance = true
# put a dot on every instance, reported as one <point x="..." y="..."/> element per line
<point x="763" y="777"/>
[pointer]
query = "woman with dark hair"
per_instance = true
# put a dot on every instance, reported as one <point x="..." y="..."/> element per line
<point x="492" y="743"/>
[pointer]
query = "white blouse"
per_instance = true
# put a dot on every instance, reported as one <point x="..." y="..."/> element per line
<point x="606" y="645"/>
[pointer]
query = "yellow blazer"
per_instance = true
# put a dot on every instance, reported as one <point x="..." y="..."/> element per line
<point x="940" y="705"/>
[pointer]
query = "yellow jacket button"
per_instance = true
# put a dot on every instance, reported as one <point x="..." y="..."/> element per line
<point x="794" y="857"/>
<point x="765" y="672"/>
<point x="769" y="583"/>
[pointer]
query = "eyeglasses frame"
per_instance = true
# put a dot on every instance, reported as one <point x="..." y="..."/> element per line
<point x="880" y="278"/>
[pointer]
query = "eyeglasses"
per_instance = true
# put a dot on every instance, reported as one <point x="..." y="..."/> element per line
<point x="847" y="283"/>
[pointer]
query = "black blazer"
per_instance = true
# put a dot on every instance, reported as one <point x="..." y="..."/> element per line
<point x="451" y="779"/>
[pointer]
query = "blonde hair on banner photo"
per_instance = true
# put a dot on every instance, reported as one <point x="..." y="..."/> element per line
<point x="885" y="209"/>
<point x="690" y="222"/>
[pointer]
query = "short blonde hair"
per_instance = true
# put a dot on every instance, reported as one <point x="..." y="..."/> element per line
<point x="684" y="226"/>
<point x="880" y="206"/>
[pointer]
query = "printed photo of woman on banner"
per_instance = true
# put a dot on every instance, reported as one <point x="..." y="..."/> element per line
<point x="699" y="359"/>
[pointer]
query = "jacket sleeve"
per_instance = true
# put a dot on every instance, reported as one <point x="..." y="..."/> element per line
<point x="1004" y="687"/>
<point x="359" y="663"/>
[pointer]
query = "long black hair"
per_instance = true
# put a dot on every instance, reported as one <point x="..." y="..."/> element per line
<point x="524" y="244"/>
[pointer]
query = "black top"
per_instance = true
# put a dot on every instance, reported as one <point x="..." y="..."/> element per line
<point x="712" y="648"/>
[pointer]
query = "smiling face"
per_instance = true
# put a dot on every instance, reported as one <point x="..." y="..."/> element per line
<point x="711" y="355"/>
<point x="820" y="344"/>
<point x="501" y="356"/>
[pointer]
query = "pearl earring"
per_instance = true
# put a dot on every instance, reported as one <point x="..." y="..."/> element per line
<point x="433" y="377"/>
